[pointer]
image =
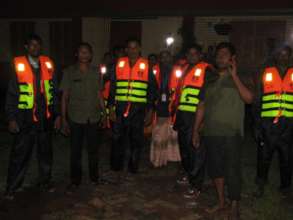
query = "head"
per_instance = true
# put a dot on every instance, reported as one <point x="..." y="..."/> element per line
<point x="133" y="48"/>
<point x="33" y="45"/>
<point x="165" y="58"/>
<point x="225" y="53"/>
<point x="283" y="55"/>
<point x="194" y="54"/>
<point x="153" y="59"/>
<point x="84" y="53"/>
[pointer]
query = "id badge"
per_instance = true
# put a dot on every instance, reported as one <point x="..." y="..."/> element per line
<point x="164" y="97"/>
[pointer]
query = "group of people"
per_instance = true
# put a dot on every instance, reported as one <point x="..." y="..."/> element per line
<point x="197" y="110"/>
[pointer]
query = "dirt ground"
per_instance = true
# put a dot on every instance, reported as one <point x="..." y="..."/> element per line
<point x="151" y="195"/>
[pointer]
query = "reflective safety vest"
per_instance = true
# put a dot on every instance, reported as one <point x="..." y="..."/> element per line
<point x="277" y="98"/>
<point x="132" y="82"/>
<point x="26" y="83"/>
<point x="190" y="86"/>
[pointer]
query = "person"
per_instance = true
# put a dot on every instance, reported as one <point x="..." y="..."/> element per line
<point x="164" y="145"/>
<point x="153" y="60"/>
<point x="106" y="69"/>
<point x="190" y="81"/>
<point x="274" y="119"/>
<point x="82" y="105"/>
<point x="33" y="112"/>
<point x="131" y="102"/>
<point x="222" y="112"/>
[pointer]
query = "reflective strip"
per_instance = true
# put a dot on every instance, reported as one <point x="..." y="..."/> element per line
<point x="26" y="101"/>
<point x="272" y="97"/>
<point x="277" y="105"/>
<point x="140" y="85"/>
<point x="124" y="98"/>
<point x="188" y="94"/>
<point x="48" y="89"/>
<point x="274" y="113"/>
<point x="187" y="108"/>
<point x="287" y="97"/>
<point x="131" y="92"/>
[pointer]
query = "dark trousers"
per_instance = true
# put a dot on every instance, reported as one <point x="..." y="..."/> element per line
<point x="80" y="132"/>
<point x="21" y="153"/>
<point x="224" y="161"/>
<point x="127" y="133"/>
<point x="276" y="138"/>
<point x="192" y="159"/>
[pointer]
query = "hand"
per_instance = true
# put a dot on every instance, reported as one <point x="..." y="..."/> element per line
<point x="13" y="127"/>
<point x="65" y="127"/>
<point x="233" y="67"/>
<point x="196" y="139"/>
<point x="57" y="123"/>
<point x="148" y="118"/>
<point x="112" y="114"/>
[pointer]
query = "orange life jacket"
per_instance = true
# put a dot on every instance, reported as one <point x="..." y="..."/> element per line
<point x="26" y="82"/>
<point x="277" y="98"/>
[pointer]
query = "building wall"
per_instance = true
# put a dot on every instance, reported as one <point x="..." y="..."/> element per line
<point x="96" y="31"/>
<point x="207" y="36"/>
<point x="155" y="31"/>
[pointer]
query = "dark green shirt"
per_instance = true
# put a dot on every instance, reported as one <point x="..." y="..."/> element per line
<point x="224" y="108"/>
<point x="84" y="99"/>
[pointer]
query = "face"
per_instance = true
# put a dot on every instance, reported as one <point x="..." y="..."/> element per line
<point x="165" y="58"/>
<point x="283" y="57"/>
<point x="33" y="48"/>
<point x="133" y="50"/>
<point x="224" y="58"/>
<point x="193" y="56"/>
<point x="84" y="55"/>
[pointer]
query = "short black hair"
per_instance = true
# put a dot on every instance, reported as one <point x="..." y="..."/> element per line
<point x="86" y="45"/>
<point x="32" y="37"/>
<point x="226" y="45"/>
<point x="133" y="39"/>
<point x="194" y="46"/>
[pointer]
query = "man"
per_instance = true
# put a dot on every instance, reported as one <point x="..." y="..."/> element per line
<point x="82" y="105"/>
<point x="153" y="60"/>
<point x="222" y="109"/>
<point x="190" y="82"/>
<point x="32" y="110"/>
<point x="133" y="94"/>
<point x="275" y="119"/>
<point x="164" y="145"/>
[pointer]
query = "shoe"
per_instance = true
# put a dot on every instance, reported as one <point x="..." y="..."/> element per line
<point x="192" y="193"/>
<point x="9" y="196"/>
<point x="183" y="181"/>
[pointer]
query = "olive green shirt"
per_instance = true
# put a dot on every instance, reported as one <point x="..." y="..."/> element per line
<point x="84" y="89"/>
<point x="224" y="108"/>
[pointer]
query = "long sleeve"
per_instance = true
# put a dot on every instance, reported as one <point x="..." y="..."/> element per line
<point x="12" y="96"/>
<point x="56" y="97"/>
<point x="153" y="91"/>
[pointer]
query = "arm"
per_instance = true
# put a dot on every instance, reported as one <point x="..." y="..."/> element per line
<point x="65" y="88"/>
<point x="245" y="93"/>
<point x="152" y="93"/>
<point x="152" y="97"/>
<point x="11" y="108"/>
